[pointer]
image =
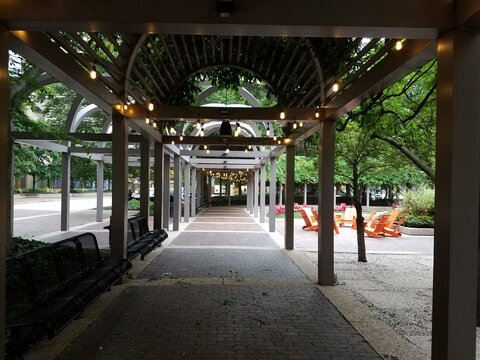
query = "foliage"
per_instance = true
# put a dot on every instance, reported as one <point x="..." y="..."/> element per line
<point x="20" y="245"/>
<point x="419" y="202"/>
<point x="421" y="221"/>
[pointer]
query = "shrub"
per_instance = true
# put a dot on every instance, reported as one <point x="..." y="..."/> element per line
<point x="423" y="221"/>
<point x="21" y="245"/>
<point x="419" y="202"/>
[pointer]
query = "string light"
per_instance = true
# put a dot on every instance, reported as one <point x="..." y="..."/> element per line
<point x="317" y="113"/>
<point x="279" y="142"/>
<point x="155" y="125"/>
<point x="125" y="105"/>
<point x="173" y="142"/>
<point x="246" y="150"/>
<point x="202" y="131"/>
<point x="205" y="147"/>
<point x="274" y="137"/>
<point x="181" y="137"/>
<point x="294" y="123"/>
<point x="249" y="147"/>
<point x="335" y="87"/>
<point x="300" y="123"/>
<point x="198" y="124"/>
<point x="147" y="119"/>
<point x="172" y="129"/>
<point x="398" y="45"/>
<point x="150" y="106"/>
<point x="93" y="71"/>
<point x="208" y="151"/>
<point x="282" y="115"/>
<point x="268" y="130"/>
<point x="227" y="150"/>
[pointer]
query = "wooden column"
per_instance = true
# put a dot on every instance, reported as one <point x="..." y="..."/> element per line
<point x="456" y="239"/>
<point x="6" y="203"/>
<point x="100" y="168"/>
<point x="144" y="177"/>
<point x="120" y="187"/>
<point x="272" y="194"/>
<point x="166" y="190"/>
<point x="263" y="170"/>
<point x="65" y="202"/>
<point x="176" y="192"/>
<point x="158" y="185"/>
<point x="289" y="197"/>
<point x="326" y="168"/>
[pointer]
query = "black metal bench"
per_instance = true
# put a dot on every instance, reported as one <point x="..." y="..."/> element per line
<point x="49" y="286"/>
<point x="140" y="239"/>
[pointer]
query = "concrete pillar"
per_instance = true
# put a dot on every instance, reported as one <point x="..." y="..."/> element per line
<point x="326" y="167"/>
<point x="289" y="197"/>
<point x="255" y="194"/>
<point x="144" y="177"/>
<point x="120" y="187"/>
<point x="305" y="189"/>
<point x="65" y="202"/>
<point x="166" y="190"/>
<point x="263" y="170"/>
<point x="6" y="202"/>
<point x="186" y="204"/>
<point x="158" y="185"/>
<point x="193" y="203"/>
<point x="177" y="193"/>
<point x="100" y="167"/>
<point x="273" y="191"/>
<point x="457" y="162"/>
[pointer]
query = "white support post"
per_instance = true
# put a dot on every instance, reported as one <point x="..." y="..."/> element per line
<point x="176" y="192"/>
<point x="251" y="193"/>
<point x="326" y="167"/>
<point x="255" y="194"/>
<point x="289" y="197"/>
<point x="368" y="197"/>
<point x="186" y="205"/>
<point x="193" y="203"/>
<point x="280" y="194"/>
<point x="144" y="177"/>
<point x="263" y="170"/>
<point x="272" y="196"/>
<point x="100" y="167"/>
<point x="166" y="190"/>
<point x="305" y="189"/>
<point x="65" y="202"/>
<point x="158" y="186"/>
<point x="457" y="183"/>
<point x="120" y="187"/>
<point x="6" y="203"/>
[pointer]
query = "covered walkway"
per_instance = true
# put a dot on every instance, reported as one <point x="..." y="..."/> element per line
<point x="222" y="289"/>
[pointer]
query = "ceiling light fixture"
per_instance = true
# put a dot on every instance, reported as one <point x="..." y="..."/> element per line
<point x="93" y="71"/>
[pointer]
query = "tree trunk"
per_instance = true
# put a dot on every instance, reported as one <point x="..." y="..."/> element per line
<point x="357" y="202"/>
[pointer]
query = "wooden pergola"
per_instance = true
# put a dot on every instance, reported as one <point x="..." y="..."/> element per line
<point x="146" y="51"/>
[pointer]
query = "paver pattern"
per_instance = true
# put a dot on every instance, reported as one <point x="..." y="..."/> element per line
<point x="205" y="301"/>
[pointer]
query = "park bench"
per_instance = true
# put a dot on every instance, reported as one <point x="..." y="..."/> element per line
<point x="48" y="287"/>
<point x="140" y="240"/>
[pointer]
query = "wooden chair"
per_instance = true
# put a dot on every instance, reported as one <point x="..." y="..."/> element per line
<point x="377" y="230"/>
<point x="348" y="217"/>
<point x="335" y="227"/>
<point x="365" y="221"/>
<point x="311" y="223"/>
<point x="394" y="229"/>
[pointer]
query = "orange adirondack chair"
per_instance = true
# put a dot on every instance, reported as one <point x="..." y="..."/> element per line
<point x="335" y="227"/>
<point x="348" y="217"/>
<point x="365" y="221"/>
<point x="394" y="229"/>
<point x="377" y="230"/>
<point x="311" y="223"/>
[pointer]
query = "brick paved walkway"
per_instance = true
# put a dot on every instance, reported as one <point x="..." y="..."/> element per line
<point x="221" y="290"/>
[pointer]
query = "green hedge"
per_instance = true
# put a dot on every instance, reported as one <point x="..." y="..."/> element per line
<point x="21" y="245"/>
<point x="422" y="221"/>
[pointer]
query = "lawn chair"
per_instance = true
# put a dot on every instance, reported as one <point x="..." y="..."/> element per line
<point x="341" y="207"/>
<point x="377" y="230"/>
<point x="394" y="229"/>
<point x="348" y="217"/>
<point x="335" y="227"/>
<point x="311" y="223"/>
<point x="366" y="220"/>
<point x="392" y="218"/>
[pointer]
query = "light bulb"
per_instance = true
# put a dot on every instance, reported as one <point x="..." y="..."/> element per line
<point x="274" y="137"/>
<point x="202" y="132"/>
<point x="227" y="150"/>
<point x="147" y="120"/>
<point x="125" y="106"/>
<point x="208" y="151"/>
<point x="150" y="106"/>
<point x="317" y="114"/>
<point x="173" y="142"/>
<point x="172" y="130"/>
<point x="279" y="142"/>
<point x="235" y="133"/>
<point x="246" y="150"/>
<point x="335" y="87"/>
<point x="154" y="125"/>
<point x="205" y="147"/>
<point x="93" y="73"/>
<point x="181" y="137"/>
<point x="300" y="124"/>
<point x="198" y="124"/>
<point x="249" y="147"/>
<point x="294" y="125"/>
<point x="282" y="115"/>
<point x="398" y="45"/>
